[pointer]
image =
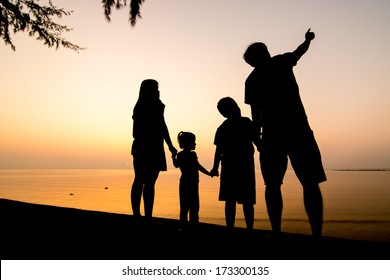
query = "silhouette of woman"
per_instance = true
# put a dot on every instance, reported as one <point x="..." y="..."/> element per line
<point x="149" y="133"/>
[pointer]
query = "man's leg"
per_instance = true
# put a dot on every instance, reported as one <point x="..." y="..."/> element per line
<point x="273" y="163"/>
<point x="312" y="198"/>
<point x="274" y="202"/>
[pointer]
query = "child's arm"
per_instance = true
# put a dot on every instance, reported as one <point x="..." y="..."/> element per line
<point x="217" y="159"/>
<point x="203" y="170"/>
<point x="200" y="167"/>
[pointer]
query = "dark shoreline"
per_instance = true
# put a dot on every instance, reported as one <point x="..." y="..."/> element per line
<point x="33" y="231"/>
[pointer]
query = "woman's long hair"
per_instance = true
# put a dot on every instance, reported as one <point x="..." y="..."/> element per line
<point x="148" y="90"/>
<point x="148" y="111"/>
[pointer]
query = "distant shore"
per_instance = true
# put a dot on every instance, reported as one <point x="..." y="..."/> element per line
<point x="362" y="169"/>
<point x="33" y="231"/>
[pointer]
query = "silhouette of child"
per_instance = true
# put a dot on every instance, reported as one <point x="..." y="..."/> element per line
<point x="189" y="165"/>
<point x="234" y="141"/>
<point x="150" y="132"/>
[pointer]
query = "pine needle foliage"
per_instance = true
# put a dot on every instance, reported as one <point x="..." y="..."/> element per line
<point x="134" y="9"/>
<point x="35" y="19"/>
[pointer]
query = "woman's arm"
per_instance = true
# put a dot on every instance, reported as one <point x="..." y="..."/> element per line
<point x="167" y="138"/>
<point x="217" y="159"/>
<point x="175" y="161"/>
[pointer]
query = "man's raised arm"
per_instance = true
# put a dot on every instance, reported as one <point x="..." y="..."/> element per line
<point x="302" y="48"/>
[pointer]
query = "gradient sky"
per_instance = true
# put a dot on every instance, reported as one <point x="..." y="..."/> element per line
<point x="63" y="109"/>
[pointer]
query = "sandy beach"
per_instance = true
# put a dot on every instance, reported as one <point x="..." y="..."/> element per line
<point x="33" y="231"/>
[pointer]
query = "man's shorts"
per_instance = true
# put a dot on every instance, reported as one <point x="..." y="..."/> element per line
<point x="302" y="150"/>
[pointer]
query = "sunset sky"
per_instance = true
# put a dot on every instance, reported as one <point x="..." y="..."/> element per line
<point x="63" y="109"/>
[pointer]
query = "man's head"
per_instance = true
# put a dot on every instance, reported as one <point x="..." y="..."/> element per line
<point x="256" y="53"/>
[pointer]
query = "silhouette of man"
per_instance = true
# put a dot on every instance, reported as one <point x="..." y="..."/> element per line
<point x="278" y="113"/>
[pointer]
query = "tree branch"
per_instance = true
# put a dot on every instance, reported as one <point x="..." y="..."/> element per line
<point x="27" y="15"/>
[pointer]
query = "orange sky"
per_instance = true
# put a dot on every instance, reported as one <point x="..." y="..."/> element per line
<point x="62" y="109"/>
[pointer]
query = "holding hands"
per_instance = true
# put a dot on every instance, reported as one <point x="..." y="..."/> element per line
<point x="214" y="172"/>
<point x="173" y="151"/>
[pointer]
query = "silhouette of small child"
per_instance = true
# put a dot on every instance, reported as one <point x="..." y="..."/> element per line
<point x="234" y="141"/>
<point x="189" y="165"/>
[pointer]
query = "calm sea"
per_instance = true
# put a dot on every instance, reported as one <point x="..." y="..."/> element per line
<point x="356" y="203"/>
